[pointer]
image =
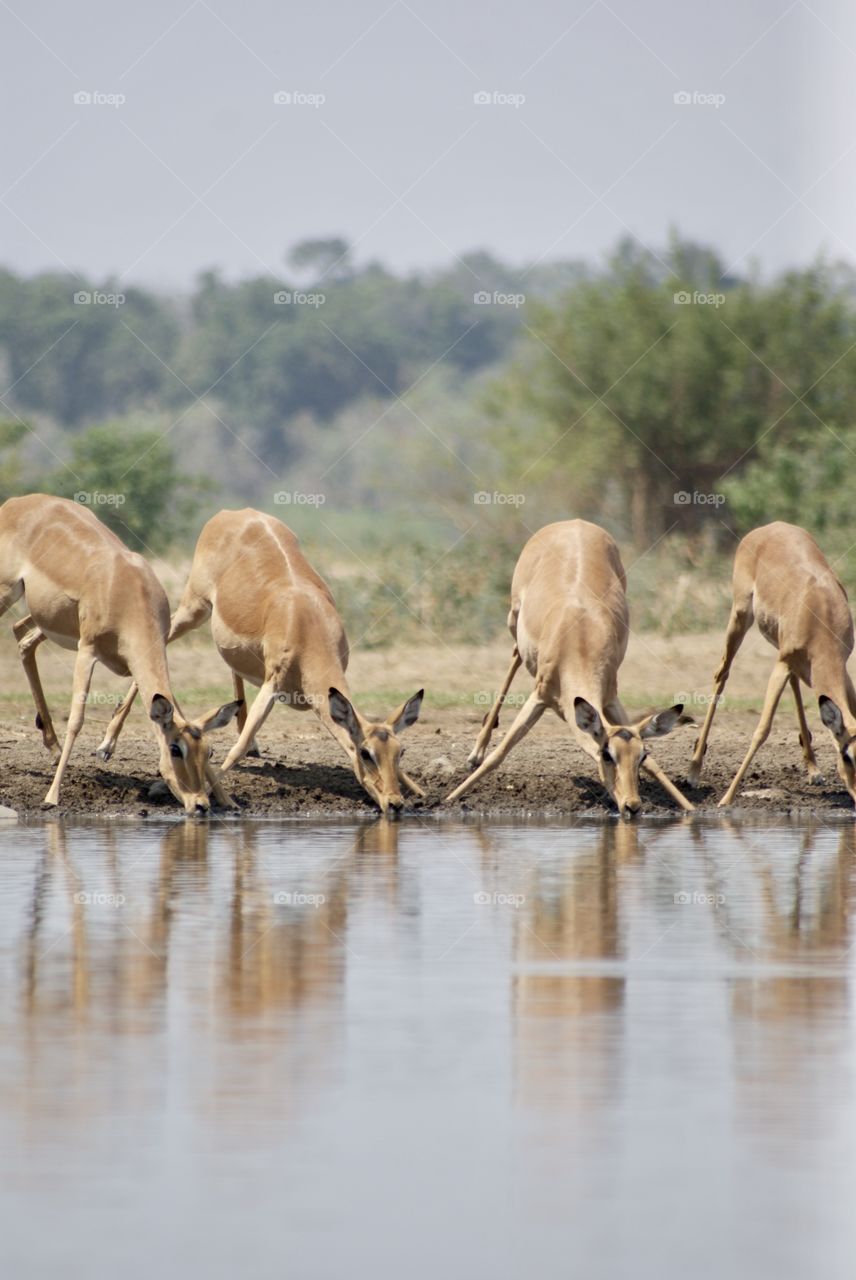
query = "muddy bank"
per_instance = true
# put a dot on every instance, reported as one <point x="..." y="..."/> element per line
<point x="303" y="773"/>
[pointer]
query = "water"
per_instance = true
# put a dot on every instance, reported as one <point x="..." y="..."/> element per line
<point x="269" y="1049"/>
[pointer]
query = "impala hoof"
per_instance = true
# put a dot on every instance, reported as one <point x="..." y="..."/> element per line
<point x="104" y="753"/>
<point x="694" y="774"/>
<point x="816" y="779"/>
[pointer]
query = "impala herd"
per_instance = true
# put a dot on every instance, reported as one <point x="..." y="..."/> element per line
<point x="276" y="626"/>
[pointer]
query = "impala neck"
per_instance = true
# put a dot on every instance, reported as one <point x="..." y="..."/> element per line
<point x="152" y="677"/>
<point x="829" y="677"/>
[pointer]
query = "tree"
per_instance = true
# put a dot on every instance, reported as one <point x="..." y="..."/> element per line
<point x="656" y="387"/>
<point x="322" y="258"/>
<point x="127" y="475"/>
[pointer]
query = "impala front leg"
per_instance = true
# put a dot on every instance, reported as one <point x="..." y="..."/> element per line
<point x="258" y="713"/>
<point x="221" y="796"/>
<point x="492" y="718"/>
<point x="529" y="714"/>
<point x="29" y="638"/>
<point x="105" y="750"/>
<point x="775" y="688"/>
<point x="238" y="686"/>
<point x="649" y="764"/>
<point x="738" y="624"/>
<point x="410" y="784"/>
<point x="83" y="667"/>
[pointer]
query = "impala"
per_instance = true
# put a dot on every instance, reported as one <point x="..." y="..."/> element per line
<point x="86" y="591"/>
<point x="275" y="624"/>
<point x="569" y="622"/>
<point x="782" y="579"/>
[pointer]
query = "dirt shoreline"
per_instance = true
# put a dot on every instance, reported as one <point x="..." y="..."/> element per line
<point x="303" y="773"/>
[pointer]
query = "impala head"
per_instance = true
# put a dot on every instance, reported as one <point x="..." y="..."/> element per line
<point x="831" y="716"/>
<point x="378" y="750"/>
<point x="622" y="749"/>
<point x="185" y="750"/>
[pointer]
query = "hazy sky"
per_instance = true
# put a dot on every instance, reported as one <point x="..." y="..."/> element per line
<point x="200" y="167"/>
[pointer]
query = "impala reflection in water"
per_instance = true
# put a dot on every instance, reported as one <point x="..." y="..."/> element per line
<point x="269" y="1048"/>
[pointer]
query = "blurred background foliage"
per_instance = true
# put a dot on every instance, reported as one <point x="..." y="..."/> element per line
<point x="421" y="427"/>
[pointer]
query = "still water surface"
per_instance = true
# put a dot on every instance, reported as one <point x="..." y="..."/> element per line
<point x="322" y="1051"/>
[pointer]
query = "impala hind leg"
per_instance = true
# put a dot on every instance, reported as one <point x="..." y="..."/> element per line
<point x="491" y="720"/>
<point x="529" y="714"/>
<point x="775" y="688"/>
<point x="738" y="624"/>
<point x="29" y="638"/>
<point x="83" y="667"/>
<point x="238" y="686"/>
<point x="258" y="713"/>
<point x="814" y="774"/>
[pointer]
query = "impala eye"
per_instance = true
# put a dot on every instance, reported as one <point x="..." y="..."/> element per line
<point x="366" y="755"/>
<point x="175" y="750"/>
<point x="606" y="757"/>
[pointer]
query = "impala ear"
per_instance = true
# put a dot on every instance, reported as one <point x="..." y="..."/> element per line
<point x="220" y="716"/>
<point x="342" y="713"/>
<point x="161" y="711"/>
<point x="407" y="714"/>
<point x="663" y="722"/>
<point x="831" y="716"/>
<point x="588" y="719"/>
